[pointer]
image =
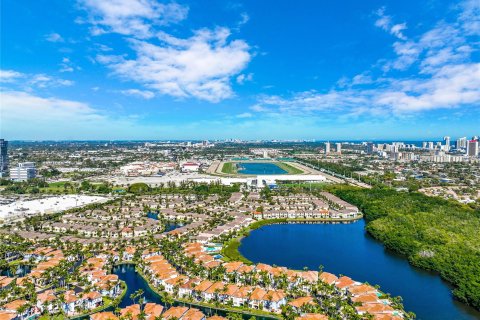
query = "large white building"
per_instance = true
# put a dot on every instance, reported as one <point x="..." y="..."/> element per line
<point x="461" y="143"/>
<point x="447" y="143"/>
<point x="327" y="147"/>
<point x="23" y="171"/>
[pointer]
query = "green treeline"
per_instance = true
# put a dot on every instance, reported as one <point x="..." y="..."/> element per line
<point x="434" y="234"/>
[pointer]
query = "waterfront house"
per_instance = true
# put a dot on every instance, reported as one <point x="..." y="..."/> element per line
<point x="129" y="253"/>
<point x="7" y="315"/>
<point x="257" y="298"/>
<point x="241" y="296"/>
<point x="92" y="300"/>
<point x="228" y="292"/>
<point x="214" y="291"/>
<point x="47" y="302"/>
<point x="343" y="283"/>
<point x="173" y="284"/>
<point x="131" y="311"/>
<point x="109" y="285"/>
<point x="274" y="300"/>
<point x="193" y="314"/>
<point x="103" y="316"/>
<point x="312" y="316"/>
<point x="152" y="310"/>
<point x="14" y="306"/>
<point x="174" y="312"/>
<point x="201" y="288"/>
<point x="300" y="302"/>
<point x="187" y="288"/>
<point x="361" y="289"/>
<point x="375" y="309"/>
<point x="71" y="303"/>
<point x="5" y="282"/>
<point x="328" y="278"/>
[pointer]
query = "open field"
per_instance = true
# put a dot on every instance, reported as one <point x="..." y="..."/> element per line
<point x="289" y="168"/>
<point x="229" y="168"/>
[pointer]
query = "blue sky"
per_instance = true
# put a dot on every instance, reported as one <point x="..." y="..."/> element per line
<point x="270" y="69"/>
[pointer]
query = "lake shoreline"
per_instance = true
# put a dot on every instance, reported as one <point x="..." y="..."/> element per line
<point x="352" y="251"/>
<point x="231" y="251"/>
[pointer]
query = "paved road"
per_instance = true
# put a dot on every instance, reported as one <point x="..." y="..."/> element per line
<point x="338" y="178"/>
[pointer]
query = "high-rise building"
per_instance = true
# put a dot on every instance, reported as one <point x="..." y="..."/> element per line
<point x="430" y="145"/>
<point x="23" y="171"/>
<point x="461" y="143"/>
<point x="424" y="145"/>
<point x="472" y="148"/>
<point x="327" y="147"/>
<point x="370" y="148"/>
<point x="339" y="147"/>
<point x="3" y="157"/>
<point x="447" y="143"/>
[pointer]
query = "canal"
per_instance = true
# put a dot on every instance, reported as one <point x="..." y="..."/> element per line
<point x="19" y="270"/>
<point x="169" y="226"/>
<point x="134" y="282"/>
<point x="348" y="250"/>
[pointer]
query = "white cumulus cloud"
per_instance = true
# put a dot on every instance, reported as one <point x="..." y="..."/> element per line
<point x="139" y="93"/>
<point x="200" y="66"/>
<point x="131" y="17"/>
<point x="385" y="22"/>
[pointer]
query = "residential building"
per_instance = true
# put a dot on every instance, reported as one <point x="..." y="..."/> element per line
<point x="370" y="148"/>
<point x="472" y="148"/>
<point x="447" y="143"/>
<point x="461" y="143"/>
<point x="339" y="147"/>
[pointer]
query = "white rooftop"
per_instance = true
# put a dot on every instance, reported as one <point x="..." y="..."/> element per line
<point x="47" y="205"/>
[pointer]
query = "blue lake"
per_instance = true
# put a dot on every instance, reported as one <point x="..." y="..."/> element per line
<point x="259" y="168"/>
<point x="347" y="249"/>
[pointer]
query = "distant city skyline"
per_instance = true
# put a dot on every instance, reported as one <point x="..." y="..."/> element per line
<point x="158" y="70"/>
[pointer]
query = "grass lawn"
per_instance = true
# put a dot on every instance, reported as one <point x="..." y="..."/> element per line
<point x="48" y="317"/>
<point x="56" y="187"/>
<point x="229" y="168"/>
<point x="230" y="250"/>
<point x="289" y="168"/>
<point x="313" y="186"/>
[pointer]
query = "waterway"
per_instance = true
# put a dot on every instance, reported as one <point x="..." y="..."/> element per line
<point x="259" y="168"/>
<point x="134" y="282"/>
<point x="169" y="226"/>
<point x="18" y="271"/>
<point x="348" y="250"/>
